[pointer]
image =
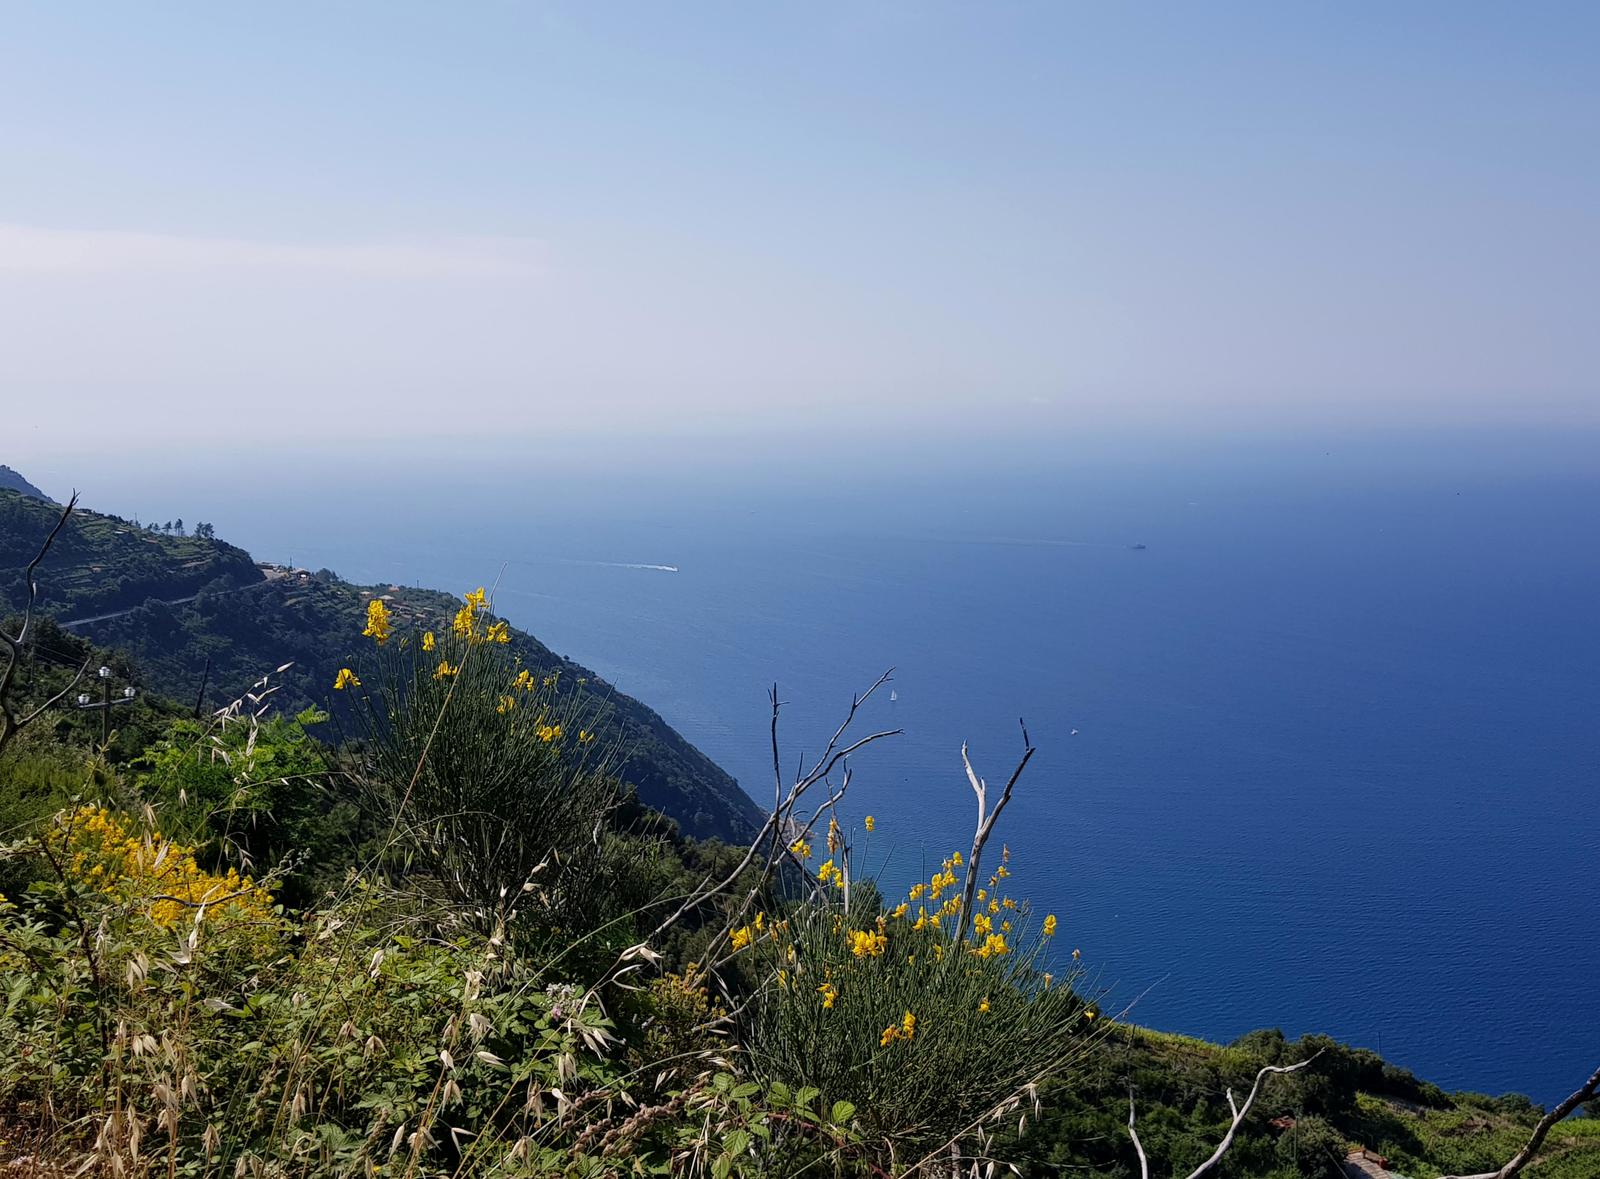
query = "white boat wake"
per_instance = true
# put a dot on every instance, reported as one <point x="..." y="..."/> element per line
<point x="621" y="565"/>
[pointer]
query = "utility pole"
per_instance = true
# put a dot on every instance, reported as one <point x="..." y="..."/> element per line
<point x="200" y="700"/>
<point x="105" y="704"/>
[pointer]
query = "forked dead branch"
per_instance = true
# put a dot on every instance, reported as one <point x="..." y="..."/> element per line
<point x="11" y="721"/>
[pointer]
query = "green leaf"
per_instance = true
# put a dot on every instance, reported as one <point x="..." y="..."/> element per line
<point x="843" y="1111"/>
<point x="736" y="1143"/>
<point x="807" y="1094"/>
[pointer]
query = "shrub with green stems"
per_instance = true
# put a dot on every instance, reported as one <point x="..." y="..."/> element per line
<point x="255" y="791"/>
<point x="490" y="771"/>
<point x="928" y="1034"/>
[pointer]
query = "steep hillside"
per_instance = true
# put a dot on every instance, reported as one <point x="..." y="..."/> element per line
<point x="175" y="604"/>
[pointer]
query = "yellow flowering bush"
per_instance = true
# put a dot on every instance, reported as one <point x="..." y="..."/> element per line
<point x="471" y="754"/>
<point x="157" y="877"/>
<point x="892" y="1007"/>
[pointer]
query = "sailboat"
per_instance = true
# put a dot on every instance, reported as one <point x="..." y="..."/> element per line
<point x="893" y="695"/>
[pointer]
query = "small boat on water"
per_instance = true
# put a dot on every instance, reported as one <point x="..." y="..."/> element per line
<point x="893" y="695"/>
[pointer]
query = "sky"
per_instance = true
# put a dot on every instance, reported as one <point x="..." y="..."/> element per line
<point x="365" y="221"/>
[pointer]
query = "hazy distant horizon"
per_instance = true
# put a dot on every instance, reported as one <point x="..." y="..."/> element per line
<point x="392" y="221"/>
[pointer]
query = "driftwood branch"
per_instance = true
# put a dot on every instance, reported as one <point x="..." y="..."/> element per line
<point x="1530" y="1149"/>
<point x="10" y="722"/>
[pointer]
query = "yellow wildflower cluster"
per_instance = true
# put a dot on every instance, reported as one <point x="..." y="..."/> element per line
<point x="498" y="632"/>
<point x="507" y="703"/>
<point x="871" y="824"/>
<point x="944" y="878"/>
<point x="465" y="623"/>
<point x="994" y="946"/>
<point x="1049" y="929"/>
<point x="866" y="943"/>
<point x="829" y="993"/>
<point x="429" y="642"/>
<point x="829" y="874"/>
<point x="800" y="848"/>
<point x="445" y="670"/>
<point x="548" y="733"/>
<point x="742" y="937"/>
<point x="377" y="621"/>
<point x="346" y="679"/>
<point x="904" y="1030"/>
<point x="158" y="876"/>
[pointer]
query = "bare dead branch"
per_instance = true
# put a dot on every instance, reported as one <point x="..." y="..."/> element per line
<point x="1530" y="1149"/>
<point x="1240" y="1112"/>
<point x="771" y="843"/>
<point x="1144" y="1163"/>
<point x="10" y="723"/>
<point x="986" y="822"/>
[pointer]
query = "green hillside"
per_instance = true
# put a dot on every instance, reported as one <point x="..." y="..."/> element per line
<point x="173" y="603"/>
<point x="103" y="563"/>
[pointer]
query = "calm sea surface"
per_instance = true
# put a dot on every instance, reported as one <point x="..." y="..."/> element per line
<point x="1323" y="755"/>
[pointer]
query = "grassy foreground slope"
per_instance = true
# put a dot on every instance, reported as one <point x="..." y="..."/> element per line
<point x="175" y="604"/>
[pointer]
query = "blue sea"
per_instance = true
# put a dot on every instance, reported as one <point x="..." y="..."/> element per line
<point x="1323" y="754"/>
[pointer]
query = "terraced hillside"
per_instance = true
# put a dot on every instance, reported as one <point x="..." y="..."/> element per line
<point x="101" y="564"/>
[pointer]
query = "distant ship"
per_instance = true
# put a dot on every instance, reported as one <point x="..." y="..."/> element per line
<point x="1137" y="547"/>
<point x="893" y="695"/>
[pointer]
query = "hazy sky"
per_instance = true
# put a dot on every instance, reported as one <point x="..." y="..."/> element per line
<point x="400" y="219"/>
